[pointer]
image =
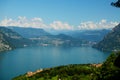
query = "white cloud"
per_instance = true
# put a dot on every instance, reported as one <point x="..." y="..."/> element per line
<point x="56" y="25"/>
<point x="24" y="22"/>
<point x="103" y="24"/>
<point x="103" y="21"/>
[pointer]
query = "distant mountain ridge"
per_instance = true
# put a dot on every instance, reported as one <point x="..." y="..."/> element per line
<point x="29" y="32"/>
<point x="16" y="37"/>
<point x="111" y="41"/>
<point x="42" y="38"/>
<point x="58" y="40"/>
<point x="10" y="39"/>
<point x="89" y="35"/>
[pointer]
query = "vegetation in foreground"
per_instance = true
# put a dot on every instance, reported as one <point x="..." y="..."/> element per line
<point x="109" y="70"/>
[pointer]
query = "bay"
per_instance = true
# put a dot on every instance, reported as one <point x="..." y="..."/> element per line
<point x="22" y="60"/>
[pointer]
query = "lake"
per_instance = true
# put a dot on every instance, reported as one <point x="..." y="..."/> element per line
<point x="22" y="60"/>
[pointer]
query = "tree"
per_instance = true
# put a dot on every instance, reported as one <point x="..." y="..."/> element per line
<point x="116" y="4"/>
<point x="117" y="61"/>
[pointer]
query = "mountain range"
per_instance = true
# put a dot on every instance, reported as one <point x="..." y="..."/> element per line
<point x="89" y="35"/>
<point x="14" y="37"/>
<point x="59" y="40"/>
<point x="29" y="32"/>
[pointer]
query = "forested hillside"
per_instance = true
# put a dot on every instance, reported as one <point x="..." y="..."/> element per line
<point x="111" y="41"/>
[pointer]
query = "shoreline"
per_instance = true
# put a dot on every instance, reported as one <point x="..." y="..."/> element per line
<point x="32" y="73"/>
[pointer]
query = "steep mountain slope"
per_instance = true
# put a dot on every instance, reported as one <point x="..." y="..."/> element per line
<point x="13" y="38"/>
<point x="29" y="32"/>
<point x="4" y="45"/>
<point x="111" y="41"/>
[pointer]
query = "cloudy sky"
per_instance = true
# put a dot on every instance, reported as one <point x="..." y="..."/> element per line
<point x="59" y="14"/>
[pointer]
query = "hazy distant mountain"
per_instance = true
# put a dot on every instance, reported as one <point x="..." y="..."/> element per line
<point x="111" y="41"/>
<point x="43" y="38"/>
<point x="12" y="37"/>
<point x="90" y="35"/>
<point x="59" y="40"/>
<point x="30" y="32"/>
<point x="64" y="38"/>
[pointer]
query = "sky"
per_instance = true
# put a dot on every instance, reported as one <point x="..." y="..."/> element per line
<point x="59" y="14"/>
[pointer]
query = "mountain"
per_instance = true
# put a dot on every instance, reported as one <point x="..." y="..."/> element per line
<point x="4" y="45"/>
<point x="29" y="32"/>
<point x="89" y="35"/>
<point x="42" y="38"/>
<point x="111" y="41"/>
<point x="13" y="38"/>
<point x="58" y="40"/>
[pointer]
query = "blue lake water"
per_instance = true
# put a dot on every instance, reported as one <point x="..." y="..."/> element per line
<point x="22" y="60"/>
